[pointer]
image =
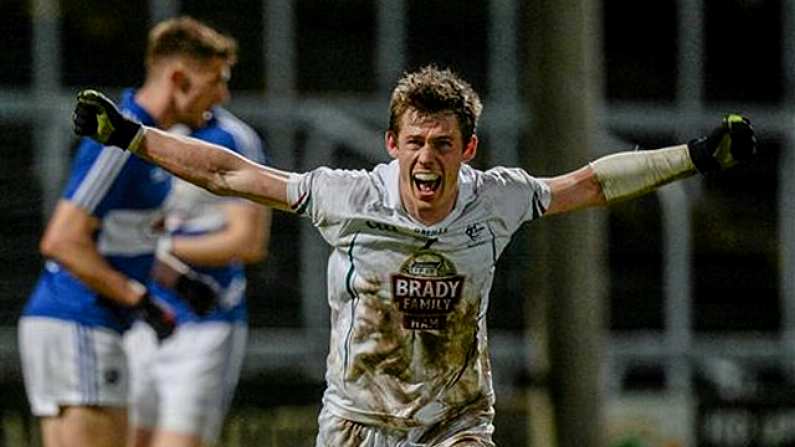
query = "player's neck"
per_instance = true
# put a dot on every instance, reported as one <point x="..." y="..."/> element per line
<point x="157" y="103"/>
<point x="426" y="214"/>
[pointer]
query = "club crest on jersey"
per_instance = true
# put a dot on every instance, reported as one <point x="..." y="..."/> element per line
<point x="426" y="290"/>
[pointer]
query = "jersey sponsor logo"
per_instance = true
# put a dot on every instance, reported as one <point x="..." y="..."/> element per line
<point x="382" y="226"/>
<point x="426" y="290"/>
<point x="430" y="233"/>
<point x="424" y="232"/>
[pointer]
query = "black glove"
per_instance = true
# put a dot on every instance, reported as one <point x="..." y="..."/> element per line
<point x="731" y="142"/>
<point x="97" y="117"/>
<point x="157" y="316"/>
<point x="200" y="295"/>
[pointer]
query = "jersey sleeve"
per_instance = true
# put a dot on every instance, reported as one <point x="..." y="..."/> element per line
<point x="327" y="196"/>
<point x="516" y="195"/>
<point x="94" y="178"/>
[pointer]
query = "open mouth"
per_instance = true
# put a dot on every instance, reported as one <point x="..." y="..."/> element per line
<point x="426" y="182"/>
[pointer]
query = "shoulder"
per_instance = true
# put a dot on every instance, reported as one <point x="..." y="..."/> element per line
<point x="501" y="175"/>
<point x="346" y="177"/>
<point x="502" y="183"/>
<point x="500" y="178"/>
<point x="90" y="154"/>
<point x="87" y="147"/>
<point x="330" y="194"/>
<point x="345" y="185"/>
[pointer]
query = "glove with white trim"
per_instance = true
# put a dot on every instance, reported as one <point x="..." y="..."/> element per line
<point x="97" y="117"/>
<point x="731" y="142"/>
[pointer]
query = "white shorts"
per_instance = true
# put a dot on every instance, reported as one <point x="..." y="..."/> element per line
<point x="185" y="384"/>
<point x="471" y="427"/>
<point x="65" y="363"/>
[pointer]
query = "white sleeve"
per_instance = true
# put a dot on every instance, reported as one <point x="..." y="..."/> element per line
<point x="326" y="196"/>
<point x="517" y="196"/>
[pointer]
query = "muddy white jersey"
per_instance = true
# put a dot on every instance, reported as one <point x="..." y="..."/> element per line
<point x="408" y="301"/>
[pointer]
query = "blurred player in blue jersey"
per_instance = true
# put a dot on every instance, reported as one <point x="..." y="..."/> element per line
<point x="100" y="244"/>
<point x="415" y="243"/>
<point x="182" y="386"/>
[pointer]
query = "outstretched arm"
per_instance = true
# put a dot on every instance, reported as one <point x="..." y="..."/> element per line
<point x="209" y="166"/>
<point x="626" y="175"/>
<point x="575" y="190"/>
<point x="213" y="167"/>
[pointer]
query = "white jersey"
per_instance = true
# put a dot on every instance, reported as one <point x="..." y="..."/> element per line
<point x="408" y="301"/>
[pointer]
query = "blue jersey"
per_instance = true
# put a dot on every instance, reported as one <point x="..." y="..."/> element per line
<point x="126" y="194"/>
<point x="193" y="211"/>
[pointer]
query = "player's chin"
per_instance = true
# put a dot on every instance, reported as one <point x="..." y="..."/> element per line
<point x="426" y="197"/>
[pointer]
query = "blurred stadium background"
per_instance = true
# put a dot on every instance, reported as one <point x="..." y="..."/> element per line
<point x="699" y="298"/>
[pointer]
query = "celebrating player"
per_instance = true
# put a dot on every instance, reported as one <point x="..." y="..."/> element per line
<point x="414" y="246"/>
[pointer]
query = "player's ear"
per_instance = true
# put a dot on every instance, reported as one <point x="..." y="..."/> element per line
<point x="180" y="80"/>
<point x="184" y="85"/>
<point x="471" y="149"/>
<point x="391" y="143"/>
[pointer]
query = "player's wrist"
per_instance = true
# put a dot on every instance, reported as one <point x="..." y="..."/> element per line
<point x="156" y="315"/>
<point x="165" y="245"/>
<point x="137" y="138"/>
<point x="127" y="134"/>
<point x="701" y="152"/>
<point x="139" y="293"/>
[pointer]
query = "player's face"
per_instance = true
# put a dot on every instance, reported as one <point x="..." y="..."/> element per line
<point x="203" y="86"/>
<point x="430" y="150"/>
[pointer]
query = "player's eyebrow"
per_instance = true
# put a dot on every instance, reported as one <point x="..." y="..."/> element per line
<point x="441" y="139"/>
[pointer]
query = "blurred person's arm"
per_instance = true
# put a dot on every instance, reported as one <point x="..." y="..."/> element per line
<point x="68" y="239"/>
<point x="244" y="238"/>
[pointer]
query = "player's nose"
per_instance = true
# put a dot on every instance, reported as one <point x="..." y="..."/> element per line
<point x="425" y="154"/>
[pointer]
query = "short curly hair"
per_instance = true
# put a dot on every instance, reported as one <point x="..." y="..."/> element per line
<point x="188" y="37"/>
<point x="432" y="90"/>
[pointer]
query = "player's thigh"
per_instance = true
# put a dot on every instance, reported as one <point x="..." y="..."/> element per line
<point x="468" y="442"/>
<point x="197" y="370"/>
<point x="139" y="436"/>
<point x="171" y="439"/>
<point x="470" y="427"/>
<point x="141" y="346"/>
<point x="68" y="364"/>
<point x="335" y="431"/>
<point x="51" y="432"/>
<point x="92" y="426"/>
